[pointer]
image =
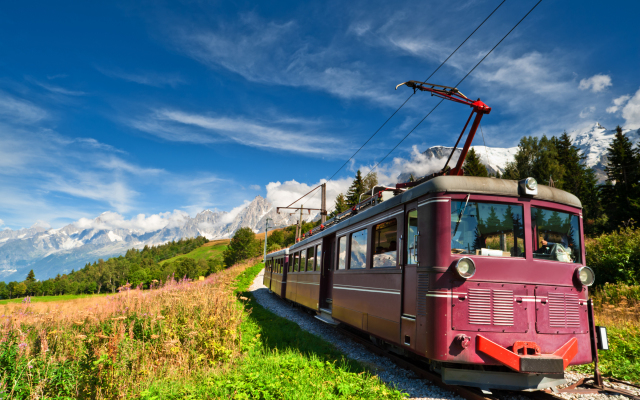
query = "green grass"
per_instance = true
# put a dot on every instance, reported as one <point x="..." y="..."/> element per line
<point x="201" y="253"/>
<point x="622" y="360"/>
<point x="46" y="299"/>
<point x="280" y="361"/>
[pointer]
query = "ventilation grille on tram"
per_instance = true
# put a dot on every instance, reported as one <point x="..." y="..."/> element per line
<point x="423" y="288"/>
<point x="491" y="307"/>
<point x="564" y="310"/>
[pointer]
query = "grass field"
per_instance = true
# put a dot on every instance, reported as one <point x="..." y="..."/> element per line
<point x="47" y="299"/>
<point x="208" y="250"/>
<point x="280" y="361"/>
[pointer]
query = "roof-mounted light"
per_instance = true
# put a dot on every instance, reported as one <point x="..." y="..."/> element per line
<point x="528" y="186"/>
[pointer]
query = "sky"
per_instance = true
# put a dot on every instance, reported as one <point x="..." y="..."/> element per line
<point x="147" y="109"/>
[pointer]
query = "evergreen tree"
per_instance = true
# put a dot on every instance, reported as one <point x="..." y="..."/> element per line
<point x="579" y="180"/>
<point x="355" y="190"/>
<point x="340" y="206"/>
<point x="473" y="166"/>
<point x="622" y="172"/>
<point x="535" y="158"/>
<point x="31" y="277"/>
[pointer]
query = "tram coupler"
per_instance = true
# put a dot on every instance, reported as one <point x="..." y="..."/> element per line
<point x="535" y="363"/>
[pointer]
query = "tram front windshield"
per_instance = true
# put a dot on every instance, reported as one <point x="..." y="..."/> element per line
<point x="556" y="235"/>
<point x="487" y="229"/>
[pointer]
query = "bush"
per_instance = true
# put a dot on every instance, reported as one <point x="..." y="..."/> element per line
<point x="615" y="257"/>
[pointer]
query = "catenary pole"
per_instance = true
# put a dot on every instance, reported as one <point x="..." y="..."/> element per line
<point x="266" y="235"/>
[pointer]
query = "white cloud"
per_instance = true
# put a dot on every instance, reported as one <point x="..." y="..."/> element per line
<point x="596" y="83"/>
<point x="58" y="89"/>
<point x="147" y="78"/>
<point x="140" y="223"/>
<point x="631" y="112"/>
<point x="587" y="112"/>
<point x="179" y="126"/>
<point x="18" y="110"/>
<point x="1" y="222"/>
<point x="254" y="187"/>
<point x="617" y="103"/>
<point x="228" y="217"/>
<point x="41" y="224"/>
<point x="283" y="194"/>
<point x="280" y="54"/>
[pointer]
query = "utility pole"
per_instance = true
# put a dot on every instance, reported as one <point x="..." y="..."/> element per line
<point x="266" y="235"/>
<point x="300" y="224"/>
<point x="323" y="204"/>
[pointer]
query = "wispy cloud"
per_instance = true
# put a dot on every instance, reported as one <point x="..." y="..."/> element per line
<point x="18" y="110"/>
<point x="180" y="126"/>
<point x="57" y="89"/>
<point x="279" y="53"/>
<point x="145" y="78"/>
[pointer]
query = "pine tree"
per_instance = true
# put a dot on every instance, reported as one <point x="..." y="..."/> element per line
<point x="622" y="172"/>
<point x="355" y="190"/>
<point x="340" y="206"/>
<point x="473" y="166"/>
<point x="570" y="159"/>
<point x="31" y="277"/>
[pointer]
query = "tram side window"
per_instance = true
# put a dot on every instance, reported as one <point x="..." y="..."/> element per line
<point x="318" y="257"/>
<point x="385" y="241"/>
<point x="556" y="236"/>
<point x="294" y="264"/>
<point x="303" y="260"/>
<point x="487" y="229"/>
<point x="412" y="237"/>
<point x="342" y="253"/>
<point x="358" y="259"/>
<point x="310" y="258"/>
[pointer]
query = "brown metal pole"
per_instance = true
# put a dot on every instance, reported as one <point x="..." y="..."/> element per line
<point x="300" y="224"/>
<point x="323" y="206"/>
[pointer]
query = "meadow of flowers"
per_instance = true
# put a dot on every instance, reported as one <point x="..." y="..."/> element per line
<point x="114" y="346"/>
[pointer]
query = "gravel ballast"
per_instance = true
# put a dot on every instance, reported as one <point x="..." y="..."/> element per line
<point x="404" y="380"/>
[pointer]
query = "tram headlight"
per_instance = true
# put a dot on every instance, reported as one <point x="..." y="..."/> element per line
<point x="585" y="275"/>
<point x="466" y="267"/>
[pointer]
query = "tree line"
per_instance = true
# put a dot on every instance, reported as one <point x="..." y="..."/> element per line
<point x="136" y="267"/>
<point x="557" y="162"/>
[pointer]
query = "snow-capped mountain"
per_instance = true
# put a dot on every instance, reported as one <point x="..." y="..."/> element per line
<point x="52" y="251"/>
<point x="593" y="143"/>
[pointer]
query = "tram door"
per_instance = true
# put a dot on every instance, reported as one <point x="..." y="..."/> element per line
<point x="409" y="265"/>
<point x="326" y="283"/>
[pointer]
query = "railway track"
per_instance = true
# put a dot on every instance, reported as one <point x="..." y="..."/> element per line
<point x="476" y="394"/>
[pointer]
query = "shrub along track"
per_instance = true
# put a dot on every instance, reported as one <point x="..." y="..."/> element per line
<point x="408" y="376"/>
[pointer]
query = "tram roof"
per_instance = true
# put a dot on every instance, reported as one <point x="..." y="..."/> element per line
<point x="454" y="184"/>
<point x="278" y="253"/>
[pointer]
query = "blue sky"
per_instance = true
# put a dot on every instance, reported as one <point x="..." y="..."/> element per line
<point x="150" y="107"/>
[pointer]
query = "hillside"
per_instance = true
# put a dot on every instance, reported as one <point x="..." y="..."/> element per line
<point x="205" y="252"/>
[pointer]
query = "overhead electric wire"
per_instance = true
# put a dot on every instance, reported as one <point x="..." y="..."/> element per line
<point x="408" y="98"/>
<point x="461" y="80"/>
<point x="405" y="102"/>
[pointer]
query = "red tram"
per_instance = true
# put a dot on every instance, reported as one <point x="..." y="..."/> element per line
<point x="483" y="278"/>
